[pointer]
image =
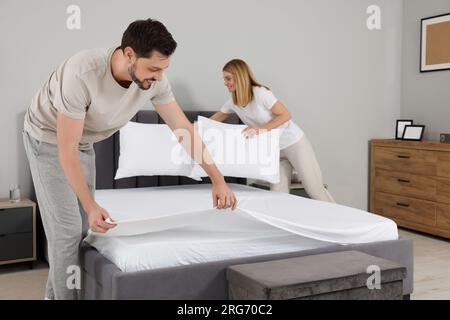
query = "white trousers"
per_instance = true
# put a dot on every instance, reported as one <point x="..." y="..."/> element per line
<point x="300" y="156"/>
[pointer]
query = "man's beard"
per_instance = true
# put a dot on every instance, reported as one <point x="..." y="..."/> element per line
<point x="132" y="73"/>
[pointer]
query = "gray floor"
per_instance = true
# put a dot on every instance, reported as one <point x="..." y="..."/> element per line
<point x="431" y="278"/>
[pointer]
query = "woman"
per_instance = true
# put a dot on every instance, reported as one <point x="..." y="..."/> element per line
<point x="258" y="108"/>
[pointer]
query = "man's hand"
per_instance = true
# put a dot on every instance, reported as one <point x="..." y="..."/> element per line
<point x="97" y="216"/>
<point x="223" y="197"/>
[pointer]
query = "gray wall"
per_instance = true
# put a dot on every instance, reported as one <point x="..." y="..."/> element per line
<point x="425" y="96"/>
<point x="341" y="81"/>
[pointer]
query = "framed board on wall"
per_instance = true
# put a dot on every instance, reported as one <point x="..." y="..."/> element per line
<point x="435" y="43"/>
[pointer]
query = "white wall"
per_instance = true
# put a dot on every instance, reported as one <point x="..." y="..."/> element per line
<point x="340" y="80"/>
<point x="425" y="96"/>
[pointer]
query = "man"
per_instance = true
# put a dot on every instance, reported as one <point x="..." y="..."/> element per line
<point x="90" y="96"/>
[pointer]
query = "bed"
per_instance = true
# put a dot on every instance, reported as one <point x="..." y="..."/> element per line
<point x="186" y="262"/>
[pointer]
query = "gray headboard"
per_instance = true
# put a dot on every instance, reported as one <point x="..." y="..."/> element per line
<point x="107" y="154"/>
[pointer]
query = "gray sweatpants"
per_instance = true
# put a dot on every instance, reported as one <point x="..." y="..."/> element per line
<point x="65" y="222"/>
<point x="300" y="156"/>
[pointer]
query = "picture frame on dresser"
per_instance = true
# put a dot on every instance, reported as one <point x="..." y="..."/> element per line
<point x="400" y="128"/>
<point x="413" y="132"/>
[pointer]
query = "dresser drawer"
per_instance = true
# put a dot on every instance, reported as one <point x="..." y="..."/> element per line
<point x="405" y="184"/>
<point x="443" y="216"/>
<point x="443" y="190"/>
<point x="443" y="167"/>
<point x="16" y="246"/>
<point x="406" y="160"/>
<point x="16" y="220"/>
<point x="406" y="209"/>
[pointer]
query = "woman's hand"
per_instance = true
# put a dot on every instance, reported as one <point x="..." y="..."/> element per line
<point x="251" y="131"/>
<point x="223" y="197"/>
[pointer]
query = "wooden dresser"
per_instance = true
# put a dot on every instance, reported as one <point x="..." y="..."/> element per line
<point x="410" y="184"/>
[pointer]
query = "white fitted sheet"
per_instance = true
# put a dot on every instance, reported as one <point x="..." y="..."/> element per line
<point x="218" y="237"/>
<point x="170" y="226"/>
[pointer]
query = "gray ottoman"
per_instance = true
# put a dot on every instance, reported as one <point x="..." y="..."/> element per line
<point x="345" y="275"/>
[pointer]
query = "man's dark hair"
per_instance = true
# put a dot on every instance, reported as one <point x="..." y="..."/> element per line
<point x="144" y="36"/>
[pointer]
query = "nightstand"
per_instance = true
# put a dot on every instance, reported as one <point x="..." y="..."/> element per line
<point x="17" y="231"/>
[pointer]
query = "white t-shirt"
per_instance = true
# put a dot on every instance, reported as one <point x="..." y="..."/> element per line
<point x="258" y="113"/>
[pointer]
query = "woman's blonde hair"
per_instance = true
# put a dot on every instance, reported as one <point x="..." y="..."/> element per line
<point x="244" y="80"/>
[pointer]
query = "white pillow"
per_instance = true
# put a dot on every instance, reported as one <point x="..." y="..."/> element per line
<point x="151" y="149"/>
<point x="236" y="156"/>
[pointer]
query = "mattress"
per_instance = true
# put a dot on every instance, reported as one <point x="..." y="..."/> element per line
<point x="160" y="227"/>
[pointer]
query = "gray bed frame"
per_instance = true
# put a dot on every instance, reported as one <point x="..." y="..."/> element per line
<point x="104" y="280"/>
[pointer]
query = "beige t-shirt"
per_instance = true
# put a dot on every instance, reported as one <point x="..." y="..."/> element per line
<point x="83" y="87"/>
